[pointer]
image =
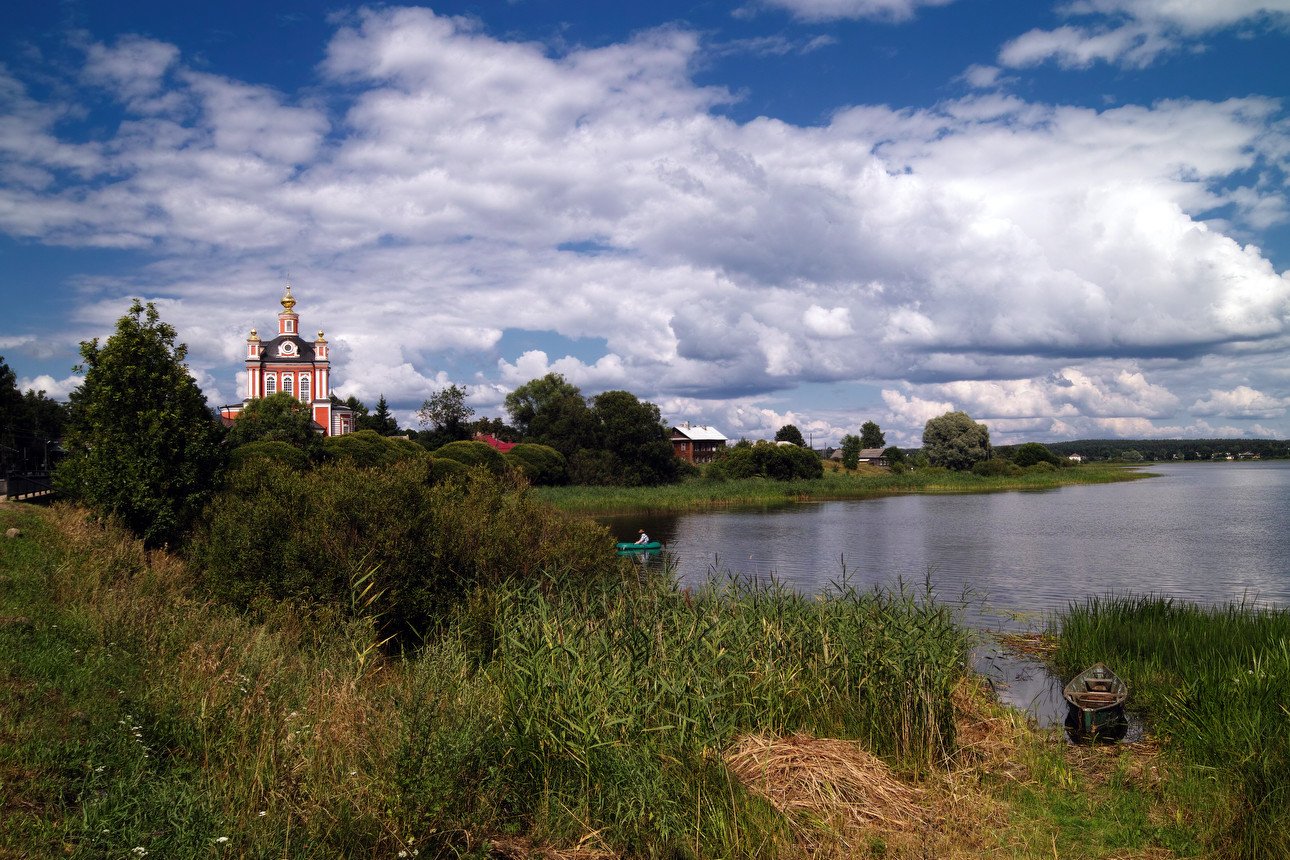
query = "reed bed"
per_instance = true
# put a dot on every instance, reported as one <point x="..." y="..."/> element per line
<point x="1213" y="681"/>
<point x="865" y="483"/>
<point x="581" y="719"/>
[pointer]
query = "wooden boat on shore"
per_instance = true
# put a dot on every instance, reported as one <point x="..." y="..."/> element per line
<point x="1096" y="697"/>
<point x="627" y="548"/>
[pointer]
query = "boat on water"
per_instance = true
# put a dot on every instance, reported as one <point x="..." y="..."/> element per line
<point x="627" y="548"/>
<point x="1096" y="698"/>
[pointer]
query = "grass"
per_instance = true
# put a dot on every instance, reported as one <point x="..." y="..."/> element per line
<point x="863" y="483"/>
<point x="1213" y="681"/>
<point x="609" y="718"/>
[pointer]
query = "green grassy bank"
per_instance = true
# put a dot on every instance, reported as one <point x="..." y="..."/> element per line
<point x="579" y="718"/>
<point x="1212" y="682"/>
<point x="864" y="483"/>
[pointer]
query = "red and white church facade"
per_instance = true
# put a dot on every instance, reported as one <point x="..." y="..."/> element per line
<point x="292" y="365"/>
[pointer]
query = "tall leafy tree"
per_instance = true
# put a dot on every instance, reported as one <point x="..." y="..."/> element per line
<point x="446" y="415"/>
<point x="142" y="444"/>
<point x="277" y="418"/>
<point x="851" y="445"/>
<point x="955" y="441"/>
<point x="10" y="414"/>
<point x="790" y="433"/>
<point x="871" y="435"/>
<point x="552" y="411"/>
<point x="633" y="431"/>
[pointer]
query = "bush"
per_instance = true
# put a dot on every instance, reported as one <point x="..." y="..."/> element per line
<point x="385" y="541"/>
<point x="995" y="467"/>
<point x="542" y="465"/>
<point x="1031" y="453"/>
<point x="471" y="453"/>
<point x="1041" y="467"/>
<point x="367" y="448"/>
<point x="781" y="462"/>
<point x="283" y="453"/>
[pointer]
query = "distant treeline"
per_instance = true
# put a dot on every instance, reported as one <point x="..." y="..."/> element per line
<point x="1153" y="450"/>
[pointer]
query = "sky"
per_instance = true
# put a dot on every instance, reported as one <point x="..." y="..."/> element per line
<point x="1069" y="219"/>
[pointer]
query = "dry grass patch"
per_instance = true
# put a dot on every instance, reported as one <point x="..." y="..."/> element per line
<point x="831" y="791"/>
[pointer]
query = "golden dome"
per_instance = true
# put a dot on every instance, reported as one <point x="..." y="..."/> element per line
<point x="288" y="302"/>
<point x="254" y="335"/>
<point x="321" y="339"/>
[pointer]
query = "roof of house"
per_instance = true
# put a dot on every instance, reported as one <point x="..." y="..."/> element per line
<point x="698" y="433"/>
<point x="493" y="441"/>
<point x="871" y="453"/>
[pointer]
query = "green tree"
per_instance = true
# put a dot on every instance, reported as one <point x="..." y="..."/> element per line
<point x="142" y="444"/>
<point x="277" y="418"/>
<point x="381" y="420"/>
<point x="358" y="407"/>
<point x="552" y="411"/>
<point x="871" y="435"/>
<point x="1030" y="453"/>
<point x="10" y="415"/>
<point x="955" y="441"/>
<point x="446" y="414"/>
<point x="633" y="431"/>
<point x="495" y="427"/>
<point x="851" y="446"/>
<point x="790" y="433"/>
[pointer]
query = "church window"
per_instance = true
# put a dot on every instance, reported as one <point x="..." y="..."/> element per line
<point x="304" y="388"/>
<point x="286" y="383"/>
<point x="270" y="384"/>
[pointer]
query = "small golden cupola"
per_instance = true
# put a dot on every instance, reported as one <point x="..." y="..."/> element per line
<point x="253" y="344"/>
<point x="288" y="320"/>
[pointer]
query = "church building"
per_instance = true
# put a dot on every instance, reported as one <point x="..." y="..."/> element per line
<point x="290" y="364"/>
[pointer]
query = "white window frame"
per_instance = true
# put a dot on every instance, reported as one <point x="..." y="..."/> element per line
<point x="270" y="384"/>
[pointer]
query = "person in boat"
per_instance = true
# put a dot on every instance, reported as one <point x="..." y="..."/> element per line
<point x="644" y="538"/>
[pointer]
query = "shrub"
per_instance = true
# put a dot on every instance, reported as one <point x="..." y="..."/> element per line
<point x="268" y="451"/>
<point x="470" y="453"/>
<point x="1031" y="453"/>
<point x="781" y="462"/>
<point x="995" y="467"/>
<point x="385" y="541"/>
<point x="540" y="464"/>
<point x="368" y="448"/>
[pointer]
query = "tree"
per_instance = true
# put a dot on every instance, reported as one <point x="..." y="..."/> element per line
<point x="633" y="432"/>
<point x="358" y="407"/>
<point x="871" y="435"/>
<point x="142" y="444"/>
<point x="446" y="414"/>
<point x="382" y="421"/>
<point x="495" y="427"/>
<point x="277" y="418"/>
<point x="790" y="433"/>
<point x="955" y="441"/>
<point x="851" y="446"/>
<point x="10" y="414"/>
<point x="1030" y="453"/>
<point x="552" y="411"/>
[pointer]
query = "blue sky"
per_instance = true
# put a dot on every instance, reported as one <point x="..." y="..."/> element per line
<point x="1068" y="219"/>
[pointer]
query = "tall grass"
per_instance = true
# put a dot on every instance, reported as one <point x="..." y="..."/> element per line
<point x="699" y="494"/>
<point x="563" y="711"/>
<point x="1214" y="680"/>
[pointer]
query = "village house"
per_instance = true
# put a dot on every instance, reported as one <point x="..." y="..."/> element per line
<point x="696" y="444"/>
<point x="293" y="365"/>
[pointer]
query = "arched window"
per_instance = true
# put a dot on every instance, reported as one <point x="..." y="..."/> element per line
<point x="270" y="384"/>
<point x="286" y="383"/>
<point x="304" y="388"/>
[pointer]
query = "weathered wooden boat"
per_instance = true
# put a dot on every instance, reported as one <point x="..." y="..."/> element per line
<point x="1096" y="697"/>
<point x="625" y="547"/>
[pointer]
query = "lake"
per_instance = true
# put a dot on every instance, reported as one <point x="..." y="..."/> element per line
<point x="1204" y="532"/>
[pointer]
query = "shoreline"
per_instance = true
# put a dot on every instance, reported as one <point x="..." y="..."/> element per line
<point x="870" y="483"/>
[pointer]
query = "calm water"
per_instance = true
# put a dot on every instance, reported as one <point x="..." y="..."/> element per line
<point x="1209" y="533"/>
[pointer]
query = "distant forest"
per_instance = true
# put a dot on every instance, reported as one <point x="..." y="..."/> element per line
<point x="1153" y="450"/>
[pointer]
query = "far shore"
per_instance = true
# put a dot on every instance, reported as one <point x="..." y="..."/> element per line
<point x="866" y="482"/>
